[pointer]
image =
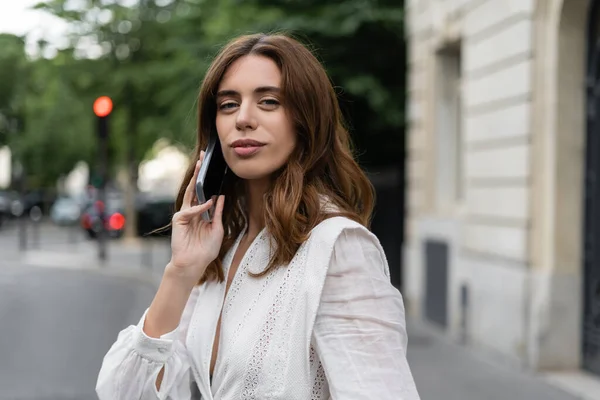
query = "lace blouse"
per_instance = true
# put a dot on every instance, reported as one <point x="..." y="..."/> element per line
<point x="327" y="326"/>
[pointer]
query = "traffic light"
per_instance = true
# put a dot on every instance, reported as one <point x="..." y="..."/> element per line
<point x="102" y="108"/>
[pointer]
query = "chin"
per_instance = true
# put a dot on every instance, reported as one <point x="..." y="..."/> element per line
<point x="258" y="167"/>
<point x="245" y="170"/>
<point x="250" y="175"/>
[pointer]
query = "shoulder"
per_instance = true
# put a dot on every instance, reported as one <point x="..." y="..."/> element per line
<point x="342" y="254"/>
<point x="341" y="235"/>
<point x="334" y="228"/>
<point x="339" y="247"/>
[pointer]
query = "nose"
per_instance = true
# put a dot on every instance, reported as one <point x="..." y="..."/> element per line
<point x="245" y="118"/>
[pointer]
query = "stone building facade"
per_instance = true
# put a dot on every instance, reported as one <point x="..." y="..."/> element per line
<point x="500" y="243"/>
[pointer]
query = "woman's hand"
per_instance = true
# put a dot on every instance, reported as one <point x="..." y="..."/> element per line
<point x="195" y="243"/>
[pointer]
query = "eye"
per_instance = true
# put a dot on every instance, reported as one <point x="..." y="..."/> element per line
<point x="270" y="102"/>
<point x="227" y="105"/>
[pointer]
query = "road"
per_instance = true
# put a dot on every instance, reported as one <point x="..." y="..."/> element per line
<point x="60" y="311"/>
<point x="57" y="324"/>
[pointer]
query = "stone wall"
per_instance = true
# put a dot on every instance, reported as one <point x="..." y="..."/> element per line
<point x="488" y="227"/>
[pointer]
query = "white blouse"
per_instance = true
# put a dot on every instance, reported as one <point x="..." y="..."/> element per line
<point x="329" y="325"/>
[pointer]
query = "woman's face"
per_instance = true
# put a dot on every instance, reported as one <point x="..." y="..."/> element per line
<point x="255" y="133"/>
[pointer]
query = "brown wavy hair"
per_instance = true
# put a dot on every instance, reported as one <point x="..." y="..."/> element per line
<point x="321" y="167"/>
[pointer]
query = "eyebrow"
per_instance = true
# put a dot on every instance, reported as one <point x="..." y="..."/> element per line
<point x="258" y="90"/>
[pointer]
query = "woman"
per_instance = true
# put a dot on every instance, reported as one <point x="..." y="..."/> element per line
<point x="285" y="294"/>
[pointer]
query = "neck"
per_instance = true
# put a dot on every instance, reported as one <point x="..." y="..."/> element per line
<point x="255" y="191"/>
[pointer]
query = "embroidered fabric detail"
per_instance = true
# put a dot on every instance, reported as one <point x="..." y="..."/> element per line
<point x="319" y="386"/>
<point x="266" y="281"/>
<point x="238" y="279"/>
<point x="251" y="379"/>
<point x="289" y="291"/>
<point x="272" y="324"/>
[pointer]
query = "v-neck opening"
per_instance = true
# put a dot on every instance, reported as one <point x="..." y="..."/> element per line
<point x="236" y="276"/>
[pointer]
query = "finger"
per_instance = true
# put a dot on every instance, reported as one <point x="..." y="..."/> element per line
<point x="218" y="217"/>
<point x="190" y="190"/>
<point x="196" y="210"/>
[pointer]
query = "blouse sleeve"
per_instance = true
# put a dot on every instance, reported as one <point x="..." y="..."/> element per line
<point x="360" y="330"/>
<point x="131" y="366"/>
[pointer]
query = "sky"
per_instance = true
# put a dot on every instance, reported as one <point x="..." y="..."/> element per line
<point x="16" y="17"/>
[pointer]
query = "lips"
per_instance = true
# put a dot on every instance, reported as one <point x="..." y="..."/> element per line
<point x="246" y="147"/>
<point x="246" y="143"/>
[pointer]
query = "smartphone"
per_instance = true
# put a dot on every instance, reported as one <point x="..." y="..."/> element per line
<point x="211" y="175"/>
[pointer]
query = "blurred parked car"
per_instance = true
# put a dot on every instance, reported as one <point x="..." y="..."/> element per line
<point x="65" y="211"/>
<point x="153" y="212"/>
<point x="11" y="205"/>
<point x="37" y="199"/>
<point x="115" y="218"/>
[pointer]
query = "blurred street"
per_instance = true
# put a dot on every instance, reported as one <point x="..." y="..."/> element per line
<point x="447" y="371"/>
<point x="68" y="247"/>
<point x="61" y="310"/>
<point x="57" y="325"/>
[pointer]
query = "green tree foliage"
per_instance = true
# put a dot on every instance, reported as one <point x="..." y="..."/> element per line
<point x="13" y="71"/>
<point x="55" y="136"/>
<point x="40" y="111"/>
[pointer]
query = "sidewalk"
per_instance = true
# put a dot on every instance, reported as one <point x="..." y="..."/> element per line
<point x="446" y="371"/>
<point x="60" y="248"/>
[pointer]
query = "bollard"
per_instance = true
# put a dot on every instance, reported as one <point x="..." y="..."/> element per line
<point x="464" y="311"/>
<point x="22" y="233"/>
<point x="36" y="216"/>
<point x="17" y="207"/>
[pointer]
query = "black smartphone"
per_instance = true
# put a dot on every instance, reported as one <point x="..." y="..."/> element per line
<point x="211" y="175"/>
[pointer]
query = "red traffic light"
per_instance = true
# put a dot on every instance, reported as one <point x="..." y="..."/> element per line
<point x="116" y="222"/>
<point x="103" y="106"/>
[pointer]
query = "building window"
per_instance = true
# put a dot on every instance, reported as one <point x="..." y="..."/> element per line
<point x="448" y="140"/>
